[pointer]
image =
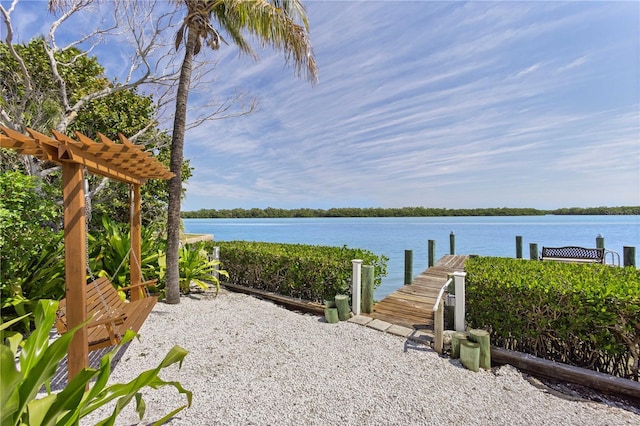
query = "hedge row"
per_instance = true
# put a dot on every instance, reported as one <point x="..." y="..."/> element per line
<point x="586" y="315"/>
<point x="309" y="272"/>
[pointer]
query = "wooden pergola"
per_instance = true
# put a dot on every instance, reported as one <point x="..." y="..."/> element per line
<point x="124" y="162"/>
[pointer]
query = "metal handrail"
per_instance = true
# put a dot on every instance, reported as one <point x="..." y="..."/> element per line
<point x="615" y="258"/>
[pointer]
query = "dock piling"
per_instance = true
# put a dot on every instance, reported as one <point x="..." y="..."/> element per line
<point x="629" y="256"/>
<point x="408" y="267"/>
<point x="431" y="253"/>
<point x="518" y="247"/>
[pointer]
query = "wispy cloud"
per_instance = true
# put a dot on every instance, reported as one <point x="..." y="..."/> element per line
<point x="449" y="104"/>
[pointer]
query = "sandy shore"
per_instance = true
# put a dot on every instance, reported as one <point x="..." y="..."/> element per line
<point x="254" y="363"/>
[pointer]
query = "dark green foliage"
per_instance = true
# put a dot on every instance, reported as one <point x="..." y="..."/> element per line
<point x="109" y="253"/>
<point x="270" y="212"/>
<point x="31" y="251"/>
<point x="586" y="315"/>
<point x="123" y="111"/>
<point x="309" y="272"/>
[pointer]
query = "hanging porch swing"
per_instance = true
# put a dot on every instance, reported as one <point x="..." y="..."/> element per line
<point x="124" y="162"/>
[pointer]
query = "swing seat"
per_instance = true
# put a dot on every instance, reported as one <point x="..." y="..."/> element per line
<point x="110" y="315"/>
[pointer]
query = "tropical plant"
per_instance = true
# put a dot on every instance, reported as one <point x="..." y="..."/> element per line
<point x="110" y="252"/>
<point x="194" y="267"/>
<point x="38" y="361"/>
<point x="274" y="23"/>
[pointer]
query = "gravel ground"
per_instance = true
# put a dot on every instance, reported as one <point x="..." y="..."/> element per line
<point x="254" y="363"/>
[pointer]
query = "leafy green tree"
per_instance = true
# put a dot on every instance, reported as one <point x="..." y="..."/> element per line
<point x="273" y="23"/>
<point x="31" y="256"/>
<point x="122" y="111"/>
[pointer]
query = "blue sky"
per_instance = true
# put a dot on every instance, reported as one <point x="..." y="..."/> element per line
<point x="435" y="104"/>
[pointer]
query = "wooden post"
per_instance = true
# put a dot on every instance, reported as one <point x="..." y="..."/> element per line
<point x="460" y="310"/>
<point x="518" y="247"/>
<point x="367" y="288"/>
<point x="75" y="257"/>
<point x="600" y="241"/>
<point x="566" y="373"/>
<point x="533" y="251"/>
<point x="452" y="243"/>
<point x="356" y="285"/>
<point x="450" y="309"/>
<point x="481" y="337"/>
<point x="342" y="304"/>
<point x="432" y="253"/>
<point x="215" y="256"/>
<point x="331" y="315"/>
<point x="135" y="267"/>
<point x="408" y="267"/>
<point x="629" y="256"/>
<point x="438" y="326"/>
<point x="470" y="355"/>
<point x="456" y="338"/>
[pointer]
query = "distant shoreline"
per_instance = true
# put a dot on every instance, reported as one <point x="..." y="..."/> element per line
<point x="272" y="213"/>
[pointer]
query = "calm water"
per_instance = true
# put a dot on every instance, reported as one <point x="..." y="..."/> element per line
<point x="488" y="236"/>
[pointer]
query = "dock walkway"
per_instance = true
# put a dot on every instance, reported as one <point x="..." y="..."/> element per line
<point x="412" y="305"/>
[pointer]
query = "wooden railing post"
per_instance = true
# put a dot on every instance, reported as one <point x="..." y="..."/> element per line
<point x="438" y="326"/>
<point x="533" y="251"/>
<point x="438" y="318"/>
<point x="215" y="255"/>
<point x="356" y="283"/>
<point x="367" y="288"/>
<point x="600" y="241"/>
<point x="460" y="311"/>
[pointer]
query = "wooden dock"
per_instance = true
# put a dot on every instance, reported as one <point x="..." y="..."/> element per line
<point x="412" y="305"/>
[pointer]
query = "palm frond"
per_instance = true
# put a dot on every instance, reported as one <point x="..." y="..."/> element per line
<point x="273" y="23"/>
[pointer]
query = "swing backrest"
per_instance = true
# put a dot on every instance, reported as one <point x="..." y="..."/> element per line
<point x="103" y="302"/>
<point x="110" y="315"/>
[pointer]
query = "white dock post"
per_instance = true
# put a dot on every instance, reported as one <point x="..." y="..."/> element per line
<point x="356" y="284"/>
<point x="459" y="283"/>
<point x="215" y="255"/>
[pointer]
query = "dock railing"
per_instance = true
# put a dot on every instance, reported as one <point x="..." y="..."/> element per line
<point x="458" y="300"/>
<point x="438" y="318"/>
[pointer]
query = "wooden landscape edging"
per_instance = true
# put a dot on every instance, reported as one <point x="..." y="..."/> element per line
<point x="568" y="373"/>
<point x="290" y="302"/>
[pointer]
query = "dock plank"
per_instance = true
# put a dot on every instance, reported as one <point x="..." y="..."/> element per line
<point x="412" y="305"/>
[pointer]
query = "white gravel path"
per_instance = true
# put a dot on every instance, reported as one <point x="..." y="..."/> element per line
<point x="254" y="363"/>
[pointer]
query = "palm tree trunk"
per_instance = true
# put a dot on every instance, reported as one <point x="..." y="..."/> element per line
<point x="175" y="165"/>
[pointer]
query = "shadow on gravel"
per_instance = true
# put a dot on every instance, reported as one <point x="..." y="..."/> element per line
<point x="416" y="346"/>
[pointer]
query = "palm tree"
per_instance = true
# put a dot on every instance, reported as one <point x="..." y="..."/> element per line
<point x="280" y="24"/>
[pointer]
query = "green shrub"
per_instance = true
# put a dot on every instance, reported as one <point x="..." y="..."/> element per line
<point x="31" y="250"/>
<point x="586" y="315"/>
<point x="308" y="272"/>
